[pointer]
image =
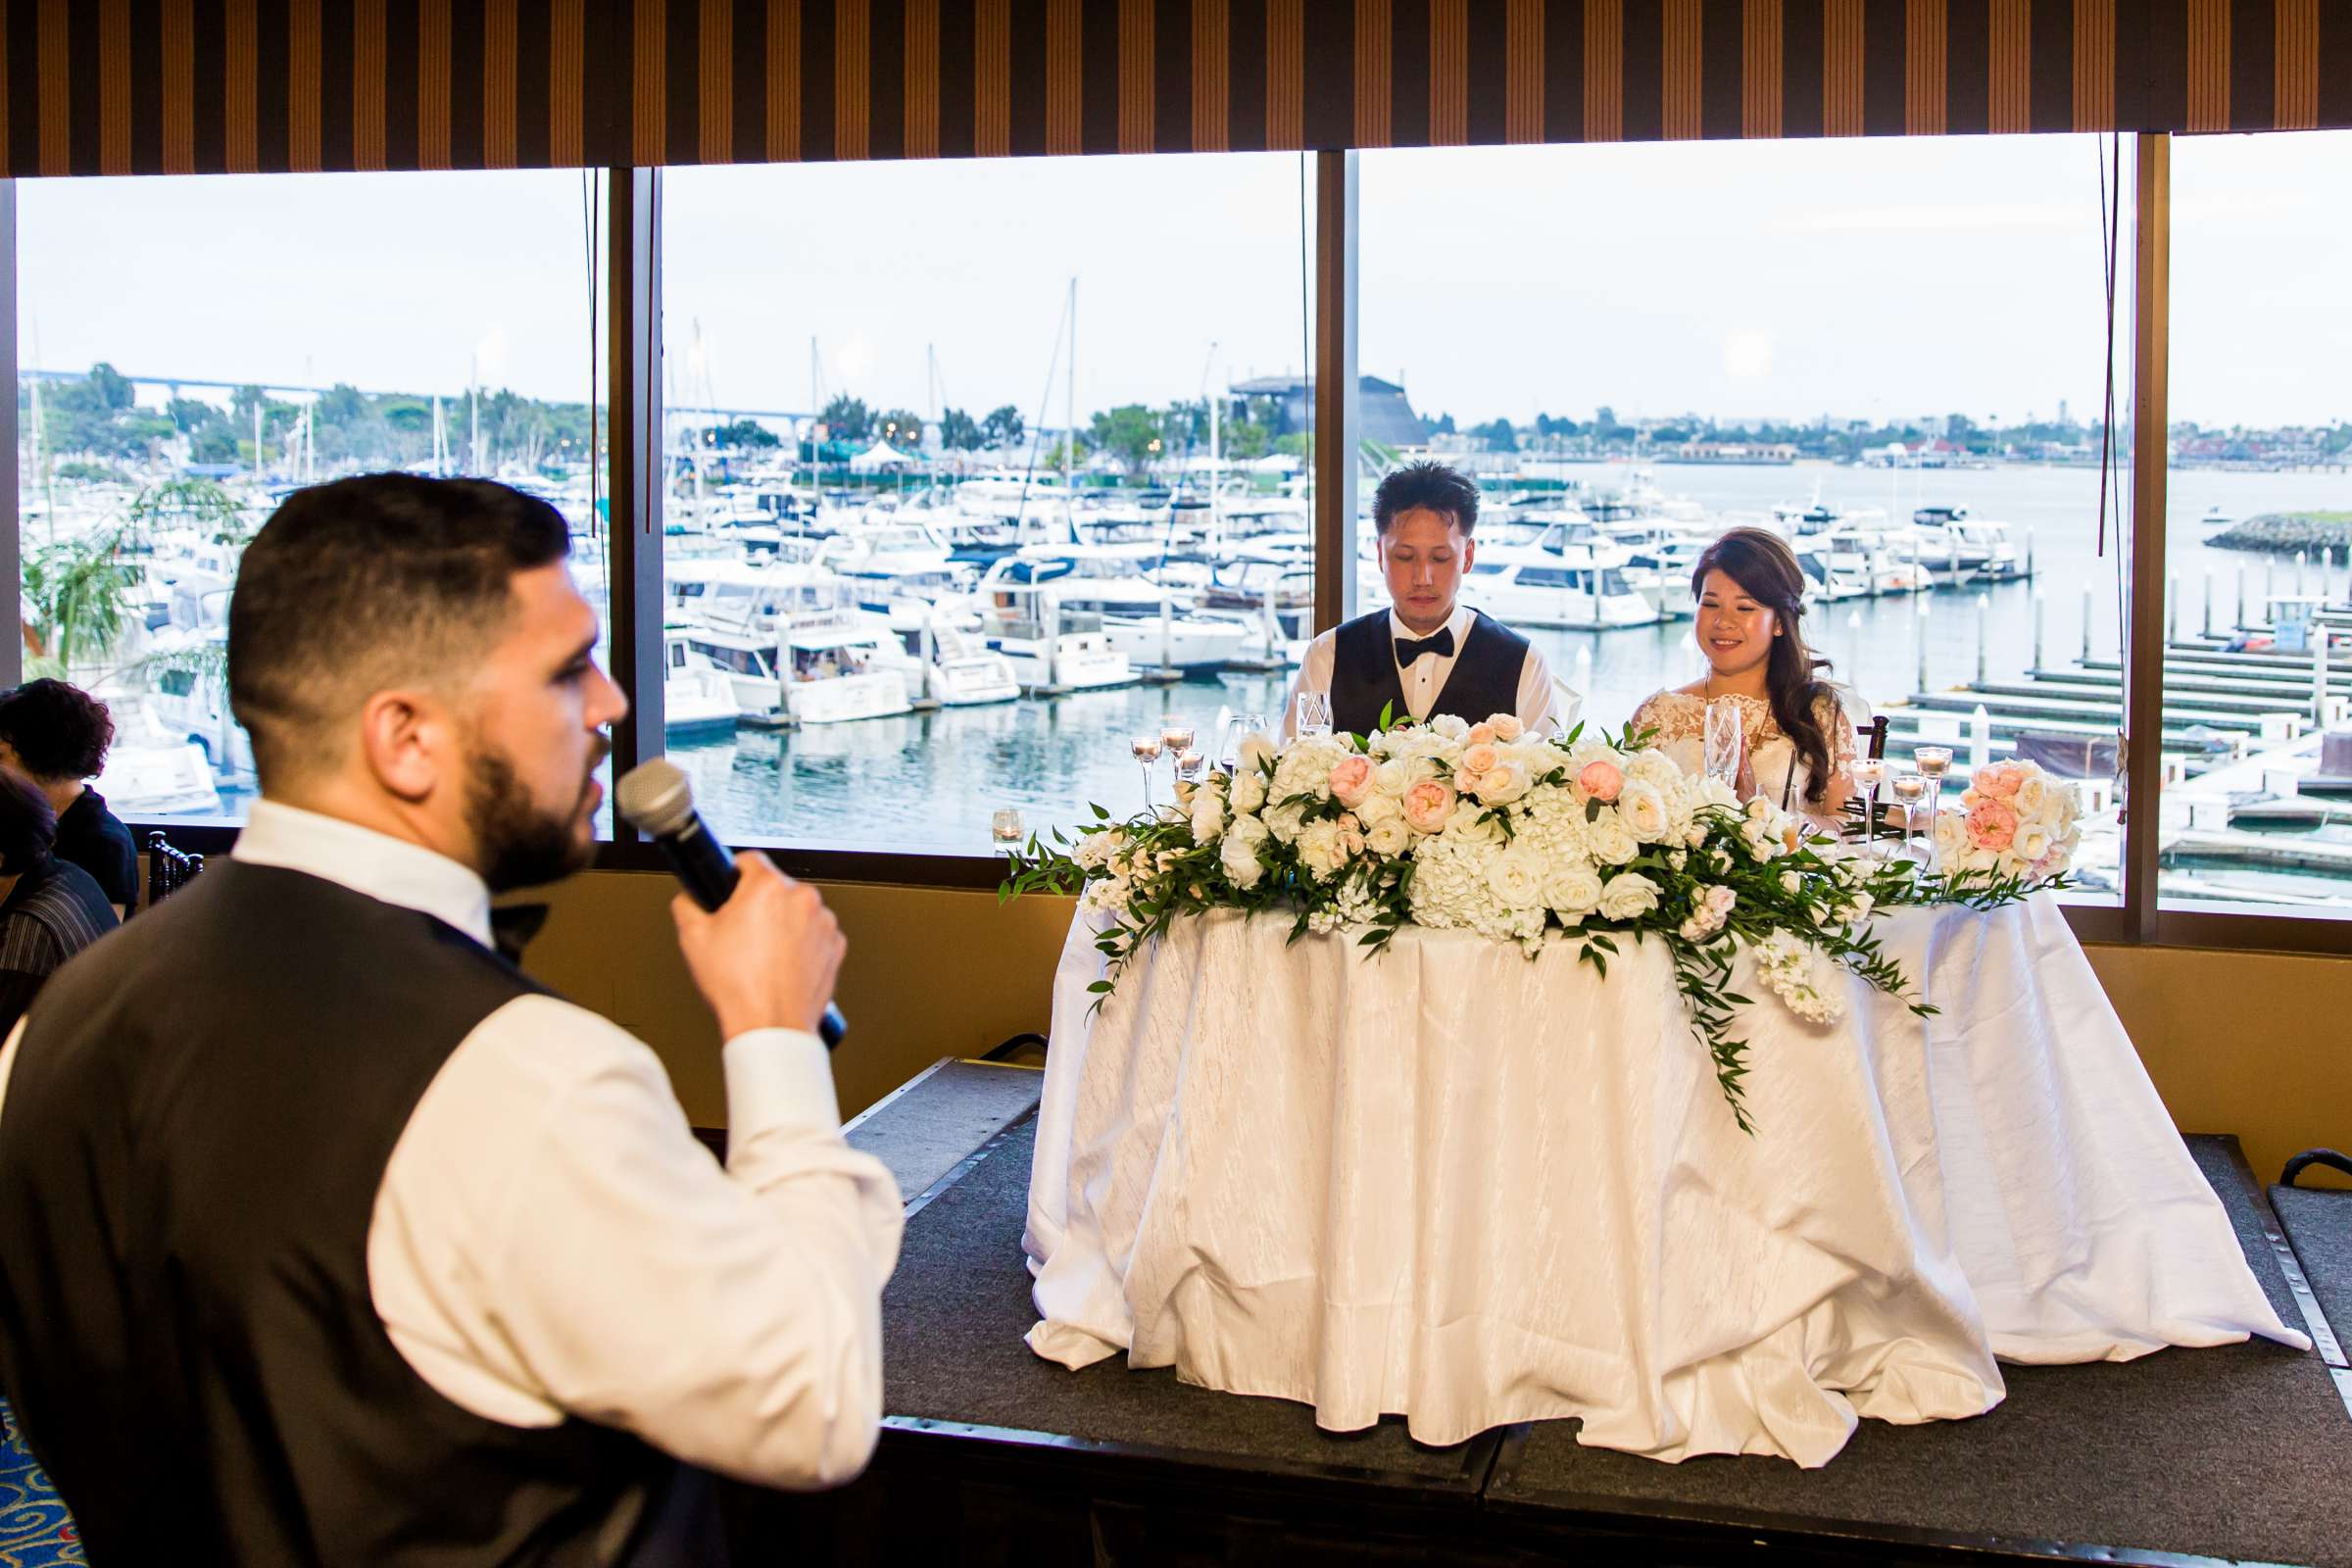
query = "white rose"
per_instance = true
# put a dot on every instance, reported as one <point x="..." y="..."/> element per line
<point x="1451" y="727"/>
<point x="1504" y="783"/>
<point x="1516" y="878"/>
<point x="1573" y="888"/>
<point x="1208" y="816"/>
<point x="1393" y="777"/>
<point x="1238" y="852"/>
<point x="1791" y="882"/>
<point x="1951" y="836"/>
<point x="1256" y="754"/>
<point x="1322" y="849"/>
<point x="1248" y="791"/>
<point x="1466" y="824"/>
<point x="1507" y="726"/>
<point x="1628" y="897"/>
<point x="2032" y="796"/>
<point x="1390" y="836"/>
<point x="1643" y="810"/>
<point x="1612" y="841"/>
<point x="1378" y="808"/>
<point x="2031" y="845"/>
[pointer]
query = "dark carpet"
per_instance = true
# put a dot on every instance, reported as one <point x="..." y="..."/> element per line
<point x="2320" y="1224"/>
<point x="2236" y="1452"/>
<point x="952" y="1321"/>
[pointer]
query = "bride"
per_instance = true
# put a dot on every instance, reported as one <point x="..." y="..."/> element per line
<point x="1797" y="741"/>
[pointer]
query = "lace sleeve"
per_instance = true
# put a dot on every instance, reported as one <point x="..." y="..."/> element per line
<point x="1837" y="731"/>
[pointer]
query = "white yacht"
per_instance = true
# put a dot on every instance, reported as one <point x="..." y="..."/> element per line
<point x="1579" y="587"/>
<point x="698" y="698"/>
<point x="1951" y="541"/>
<point x="1149" y="622"/>
<point x="1047" y="649"/>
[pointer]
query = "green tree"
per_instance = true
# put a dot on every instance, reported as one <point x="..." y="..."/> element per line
<point x="1246" y="440"/>
<point x="1497" y="434"/>
<point x="745" y="435"/>
<point x="958" y="431"/>
<point x="900" y="428"/>
<point x="846" y="418"/>
<point x="1003" y="427"/>
<point x="77" y="598"/>
<point x="1130" y="433"/>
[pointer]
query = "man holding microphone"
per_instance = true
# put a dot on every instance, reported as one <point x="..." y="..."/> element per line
<point x="326" y="1235"/>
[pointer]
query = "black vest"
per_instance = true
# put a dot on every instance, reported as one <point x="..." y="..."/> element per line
<point x="1484" y="680"/>
<point x="198" y="1118"/>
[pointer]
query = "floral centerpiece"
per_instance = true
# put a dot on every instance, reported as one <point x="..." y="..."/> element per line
<point x="1582" y="839"/>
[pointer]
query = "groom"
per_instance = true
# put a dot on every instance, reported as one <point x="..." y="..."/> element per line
<point x="1428" y="654"/>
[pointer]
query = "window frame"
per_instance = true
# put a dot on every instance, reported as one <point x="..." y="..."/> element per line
<point x="632" y="398"/>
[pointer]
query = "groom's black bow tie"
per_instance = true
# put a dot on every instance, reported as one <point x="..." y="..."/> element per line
<point x="1409" y="649"/>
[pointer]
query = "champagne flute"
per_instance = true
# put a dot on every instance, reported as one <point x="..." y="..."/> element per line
<point x="1146" y="748"/>
<point x="1869" y="772"/>
<point x="1933" y="762"/>
<point x="1724" y="742"/>
<point x="1315" y="714"/>
<point x="1910" y="789"/>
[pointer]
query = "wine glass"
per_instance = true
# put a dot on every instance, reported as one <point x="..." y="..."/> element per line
<point x="1724" y="742"/>
<point x="1869" y="772"/>
<point x="1910" y="789"/>
<point x="1315" y="714"/>
<point x="1933" y="762"/>
<point x="1146" y="750"/>
<point x="1177" y="736"/>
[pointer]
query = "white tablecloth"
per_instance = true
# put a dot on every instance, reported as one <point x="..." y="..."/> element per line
<point x="1453" y="1183"/>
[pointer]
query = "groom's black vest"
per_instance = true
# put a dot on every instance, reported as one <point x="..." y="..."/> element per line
<point x="197" y="1124"/>
<point x="1484" y="680"/>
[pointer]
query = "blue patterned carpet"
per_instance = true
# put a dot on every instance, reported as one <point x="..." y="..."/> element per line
<point x="35" y="1530"/>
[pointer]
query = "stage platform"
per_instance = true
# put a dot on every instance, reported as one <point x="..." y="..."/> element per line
<point x="990" y="1455"/>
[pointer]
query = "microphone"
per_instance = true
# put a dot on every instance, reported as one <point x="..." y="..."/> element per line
<point x="657" y="799"/>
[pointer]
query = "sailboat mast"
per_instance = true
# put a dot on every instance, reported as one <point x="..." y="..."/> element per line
<point x="1069" y="445"/>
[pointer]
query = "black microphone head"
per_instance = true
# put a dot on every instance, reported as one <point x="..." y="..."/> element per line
<point x="657" y="798"/>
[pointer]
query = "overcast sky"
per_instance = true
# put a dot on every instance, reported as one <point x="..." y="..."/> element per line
<point x="1861" y="278"/>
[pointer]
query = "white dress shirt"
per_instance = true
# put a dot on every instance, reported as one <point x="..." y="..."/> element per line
<point x="550" y="1238"/>
<point x="1544" y="707"/>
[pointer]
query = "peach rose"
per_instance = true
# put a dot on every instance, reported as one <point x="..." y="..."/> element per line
<point x="1482" y="735"/>
<point x="1478" y="757"/>
<point x="1351" y="779"/>
<point x="1991" y="825"/>
<point x="1428" y="805"/>
<point x="2000" y="781"/>
<point x="1507" y="728"/>
<point x="1602" y="780"/>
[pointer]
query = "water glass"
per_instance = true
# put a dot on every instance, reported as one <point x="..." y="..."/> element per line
<point x="1315" y="714"/>
<point x="1724" y="742"/>
<point x="1146" y="748"/>
<point x="1911" y="789"/>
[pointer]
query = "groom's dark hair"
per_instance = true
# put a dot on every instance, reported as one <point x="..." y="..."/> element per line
<point x="1431" y="485"/>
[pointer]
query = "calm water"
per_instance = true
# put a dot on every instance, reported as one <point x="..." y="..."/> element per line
<point x="928" y="783"/>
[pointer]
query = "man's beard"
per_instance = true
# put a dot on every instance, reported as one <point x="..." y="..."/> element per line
<point x="516" y="844"/>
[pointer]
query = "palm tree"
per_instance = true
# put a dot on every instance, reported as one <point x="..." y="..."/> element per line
<point x="77" y="592"/>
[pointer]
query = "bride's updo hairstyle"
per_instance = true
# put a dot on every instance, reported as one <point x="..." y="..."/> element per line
<point x="1766" y="569"/>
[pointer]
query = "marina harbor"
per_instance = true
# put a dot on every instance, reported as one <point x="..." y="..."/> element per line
<point x="846" y="650"/>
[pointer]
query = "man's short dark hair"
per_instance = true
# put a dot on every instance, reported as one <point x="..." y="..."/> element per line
<point x="1436" y="486"/>
<point x="366" y="583"/>
<point x="57" y="731"/>
<point x="27" y="824"/>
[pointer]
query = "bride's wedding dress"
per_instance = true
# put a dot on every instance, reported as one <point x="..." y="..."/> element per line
<point x="1678" y="722"/>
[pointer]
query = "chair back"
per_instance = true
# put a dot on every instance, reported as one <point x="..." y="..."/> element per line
<point x="1878" y="737"/>
<point x="169" y="869"/>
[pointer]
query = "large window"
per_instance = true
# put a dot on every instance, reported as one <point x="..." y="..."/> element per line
<point x="2258" y="663"/>
<point x="975" y="473"/>
<point x="191" y="350"/>
<point x="1893" y="352"/>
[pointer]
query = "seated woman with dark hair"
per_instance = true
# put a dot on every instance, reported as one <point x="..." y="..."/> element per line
<point x="57" y="735"/>
<point x="50" y="908"/>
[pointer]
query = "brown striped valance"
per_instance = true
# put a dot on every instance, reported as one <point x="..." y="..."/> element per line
<point x="121" y="86"/>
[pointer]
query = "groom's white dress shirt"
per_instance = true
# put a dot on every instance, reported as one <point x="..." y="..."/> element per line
<point x="550" y="1238"/>
<point x="1543" y="707"/>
